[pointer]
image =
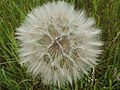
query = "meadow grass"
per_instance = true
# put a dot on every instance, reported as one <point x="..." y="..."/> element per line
<point x="106" y="75"/>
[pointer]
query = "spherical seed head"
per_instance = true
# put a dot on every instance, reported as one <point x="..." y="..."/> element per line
<point x="58" y="43"/>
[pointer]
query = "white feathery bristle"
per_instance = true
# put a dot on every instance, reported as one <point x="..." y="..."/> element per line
<point x="58" y="43"/>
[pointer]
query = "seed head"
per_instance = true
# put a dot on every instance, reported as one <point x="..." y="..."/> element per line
<point x="58" y="43"/>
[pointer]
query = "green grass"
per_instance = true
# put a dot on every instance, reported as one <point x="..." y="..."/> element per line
<point x="107" y="73"/>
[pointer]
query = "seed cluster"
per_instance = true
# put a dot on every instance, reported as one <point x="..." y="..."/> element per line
<point x="56" y="44"/>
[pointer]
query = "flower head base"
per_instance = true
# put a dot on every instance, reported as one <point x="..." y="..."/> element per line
<point x="58" y="43"/>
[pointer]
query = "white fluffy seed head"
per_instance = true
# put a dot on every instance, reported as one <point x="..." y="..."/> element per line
<point x="58" y="43"/>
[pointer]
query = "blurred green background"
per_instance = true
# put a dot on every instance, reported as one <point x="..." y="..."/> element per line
<point x="107" y="73"/>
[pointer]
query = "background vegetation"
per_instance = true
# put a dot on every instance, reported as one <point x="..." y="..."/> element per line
<point x="107" y="74"/>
